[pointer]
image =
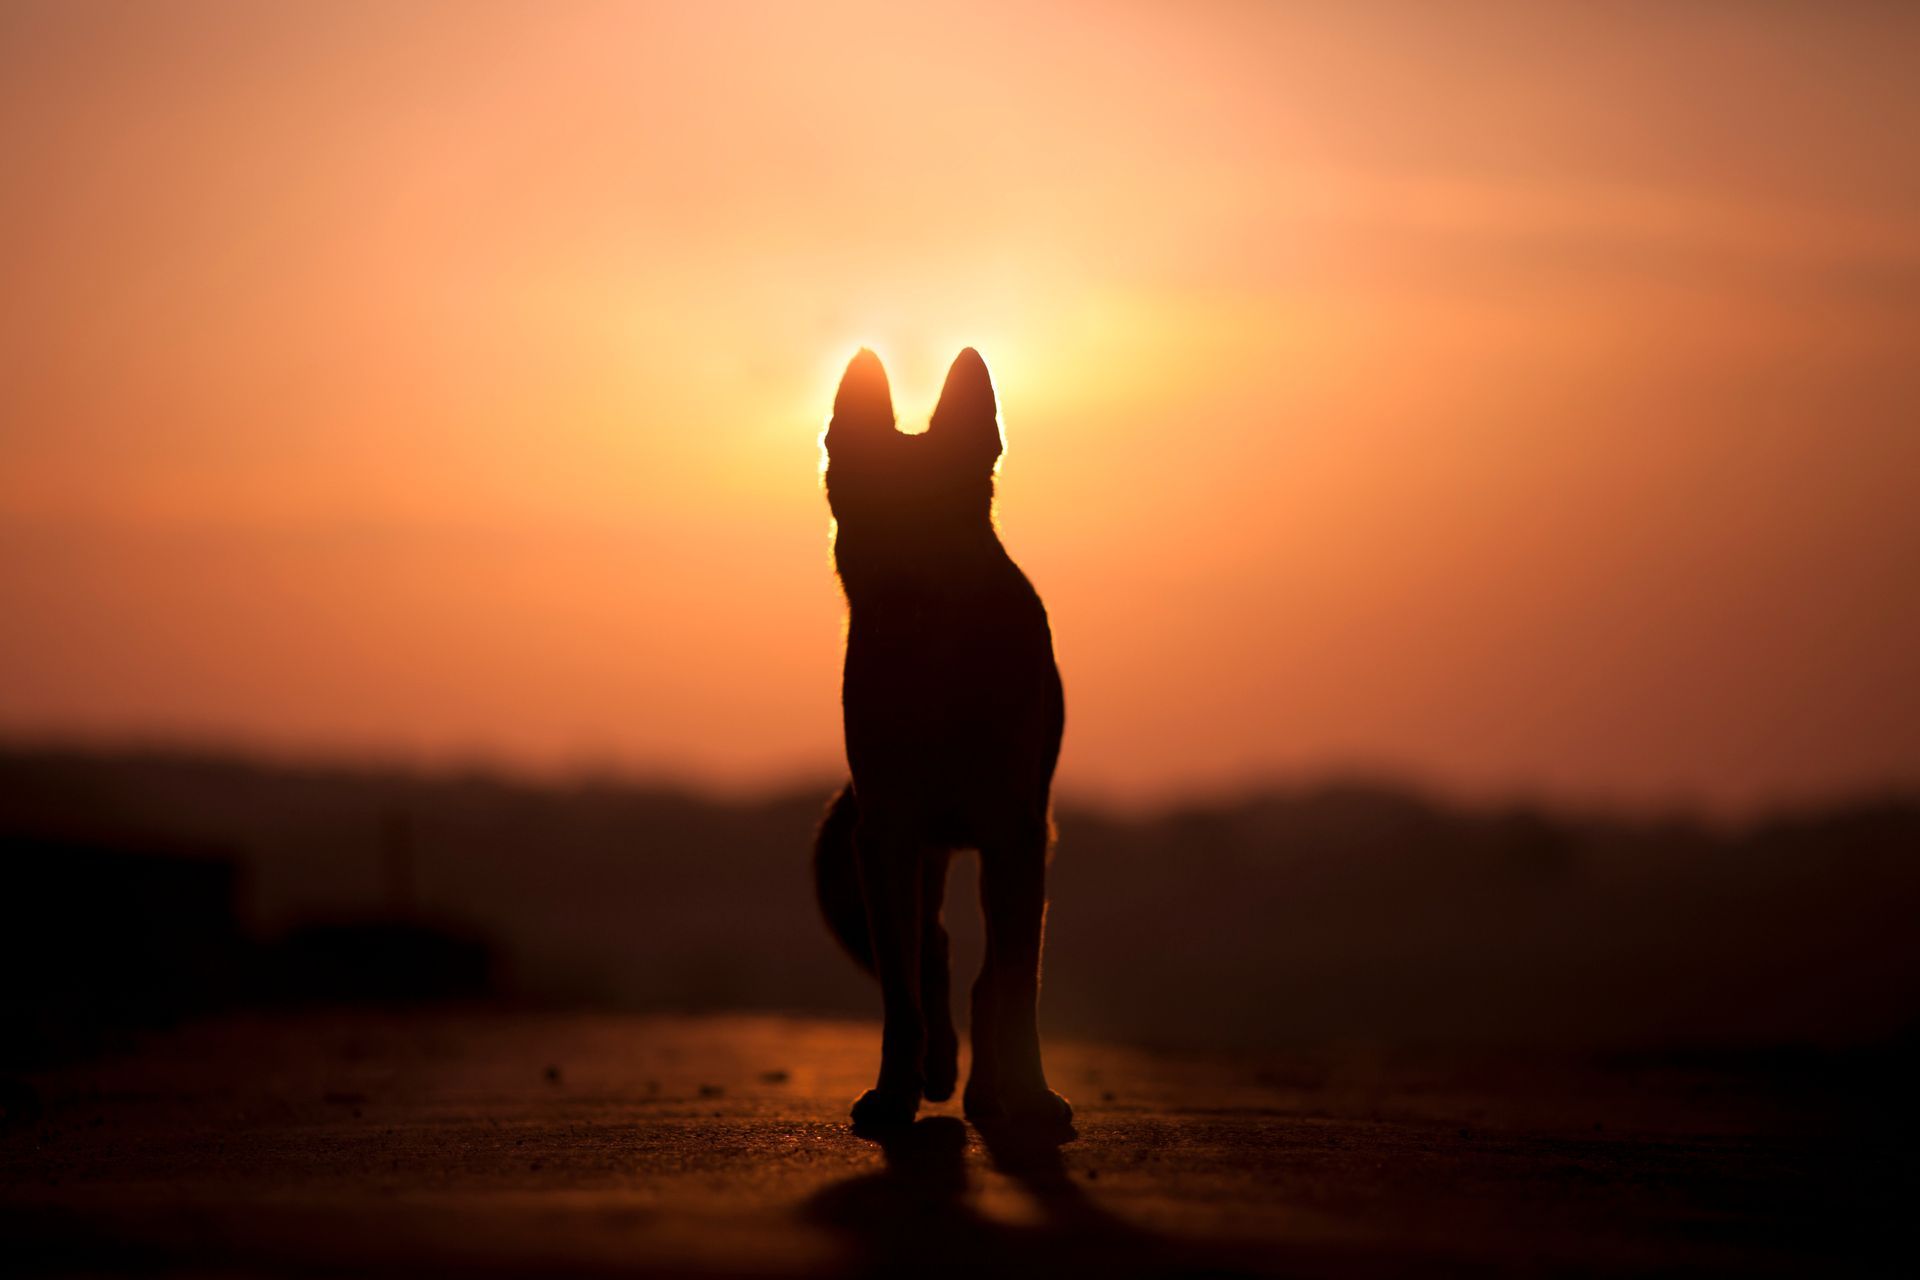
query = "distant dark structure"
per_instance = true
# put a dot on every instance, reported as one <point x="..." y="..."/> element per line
<point x="1319" y="911"/>
<point x="378" y="961"/>
<point x="110" y="933"/>
<point x="96" y="937"/>
<point x="396" y="955"/>
<point x="953" y="715"/>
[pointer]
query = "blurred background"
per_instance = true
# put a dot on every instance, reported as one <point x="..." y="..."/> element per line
<point x="1467" y="454"/>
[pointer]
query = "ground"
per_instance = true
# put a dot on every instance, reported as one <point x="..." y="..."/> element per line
<point x="542" y="1144"/>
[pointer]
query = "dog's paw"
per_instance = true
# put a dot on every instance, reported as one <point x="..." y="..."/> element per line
<point x="881" y="1111"/>
<point x="1042" y="1113"/>
<point x="981" y="1103"/>
<point x="1038" y="1114"/>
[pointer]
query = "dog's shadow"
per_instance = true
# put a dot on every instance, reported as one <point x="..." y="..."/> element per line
<point x="913" y="1215"/>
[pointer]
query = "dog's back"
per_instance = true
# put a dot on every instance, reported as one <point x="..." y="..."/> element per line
<point x="953" y="714"/>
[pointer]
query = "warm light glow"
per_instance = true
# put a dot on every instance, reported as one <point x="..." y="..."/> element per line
<point x="450" y="383"/>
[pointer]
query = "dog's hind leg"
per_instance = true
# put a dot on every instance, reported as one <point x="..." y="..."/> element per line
<point x="1008" y="1081"/>
<point x="890" y="857"/>
<point x="936" y="981"/>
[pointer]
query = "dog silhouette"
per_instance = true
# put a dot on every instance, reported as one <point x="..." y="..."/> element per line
<point x="953" y="713"/>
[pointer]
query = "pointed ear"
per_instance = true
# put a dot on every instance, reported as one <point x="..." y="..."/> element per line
<point x="863" y="407"/>
<point x="968" y="418"/>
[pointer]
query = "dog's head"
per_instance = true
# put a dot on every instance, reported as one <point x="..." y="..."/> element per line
<point x="897" y="491"/>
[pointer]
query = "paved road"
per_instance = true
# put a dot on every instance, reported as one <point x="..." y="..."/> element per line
<point x="551" y="1144"/>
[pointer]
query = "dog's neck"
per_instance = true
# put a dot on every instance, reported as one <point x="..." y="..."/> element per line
<point x="878" y="565"/>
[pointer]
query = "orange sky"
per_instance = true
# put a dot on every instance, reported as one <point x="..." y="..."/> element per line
<point x="1517" y="397"/>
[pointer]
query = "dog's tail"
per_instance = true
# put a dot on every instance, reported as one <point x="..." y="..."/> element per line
<point x="836" y="879"/>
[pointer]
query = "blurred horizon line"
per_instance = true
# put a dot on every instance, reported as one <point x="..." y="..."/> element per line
<point x="589" y="773"/>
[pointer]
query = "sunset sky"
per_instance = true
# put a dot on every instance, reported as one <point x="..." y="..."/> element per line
<point x="1515" y="398"/>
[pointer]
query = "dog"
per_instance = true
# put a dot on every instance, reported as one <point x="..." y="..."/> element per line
<point x="953" y="712"/>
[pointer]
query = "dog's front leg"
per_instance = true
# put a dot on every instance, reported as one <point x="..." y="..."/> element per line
<point x="1008" y="1083"/>
<point x="890" y="874"/>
